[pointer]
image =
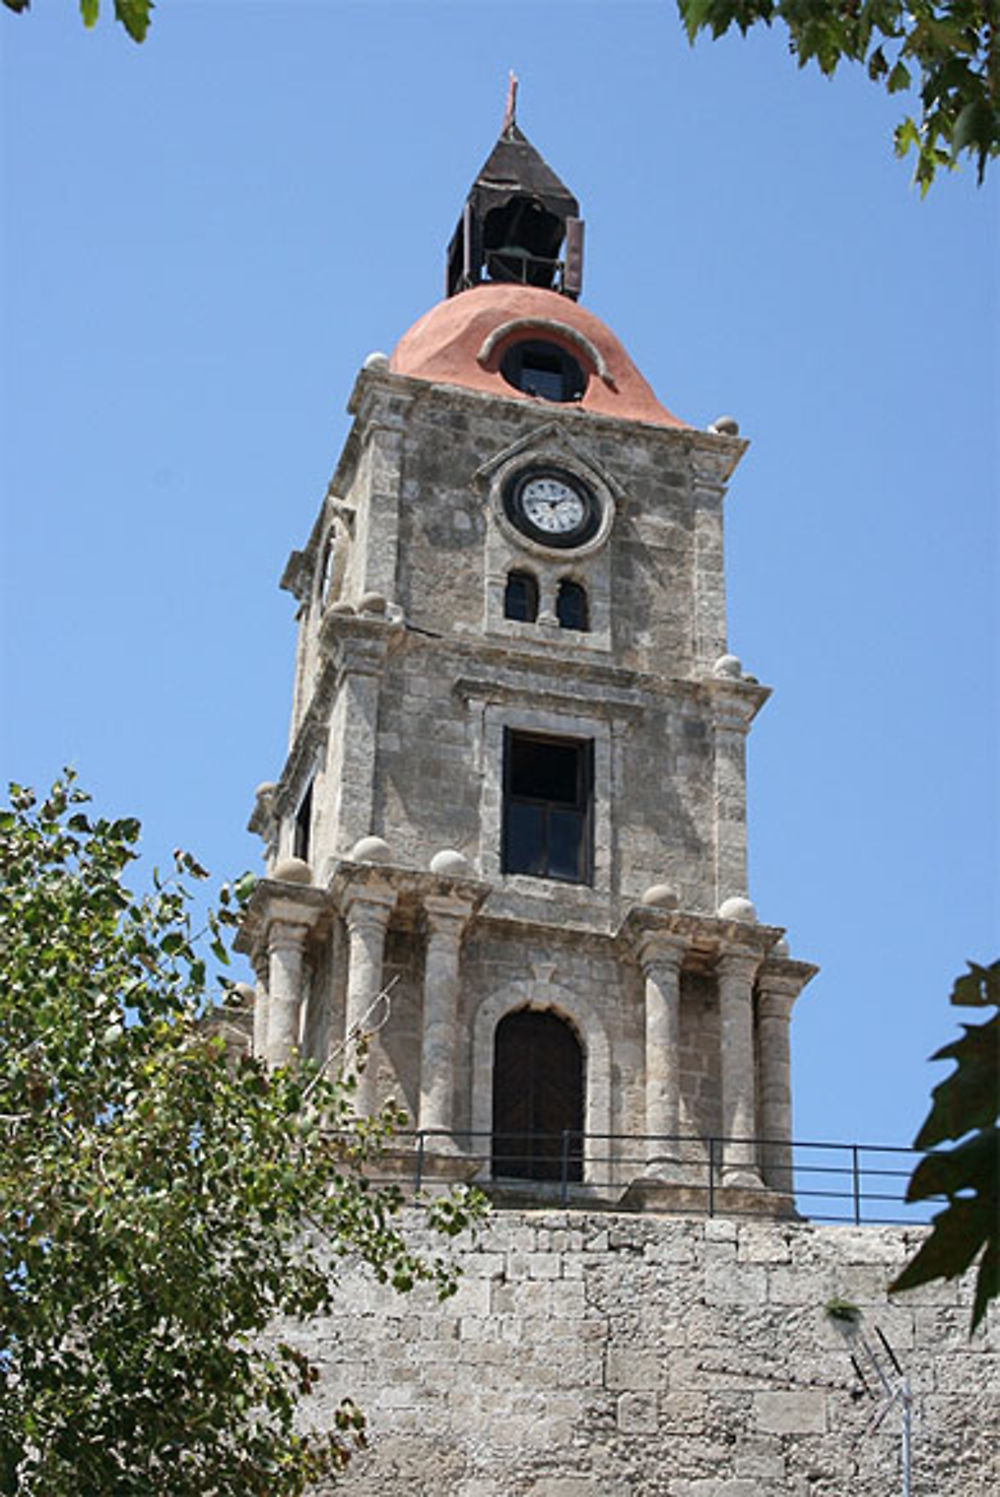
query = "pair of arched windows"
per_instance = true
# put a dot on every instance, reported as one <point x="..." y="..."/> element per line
<point x="521" y="601"/>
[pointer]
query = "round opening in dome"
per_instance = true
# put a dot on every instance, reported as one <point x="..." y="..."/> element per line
<point x="537" y="367"/>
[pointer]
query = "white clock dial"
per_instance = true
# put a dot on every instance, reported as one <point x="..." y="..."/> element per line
<point x="552" y="505"/>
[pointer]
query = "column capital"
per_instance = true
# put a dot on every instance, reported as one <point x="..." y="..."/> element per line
<point x="446" y="915"/>
<point x="367" y="904"/>
<point x="660" y="948"/>
<point x="734" y="703"/>
<point x="737" y="963"/>
<point x="284" y="934"/>
<point x="783" y="979"/>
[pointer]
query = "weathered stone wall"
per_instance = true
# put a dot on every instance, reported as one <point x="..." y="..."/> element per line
<point x="614" y="1356"/>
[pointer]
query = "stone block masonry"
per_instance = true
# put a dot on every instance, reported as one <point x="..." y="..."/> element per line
<point x="597" y="1355"/>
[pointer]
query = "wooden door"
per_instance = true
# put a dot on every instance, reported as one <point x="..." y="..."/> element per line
<point x="537" y="1097"/>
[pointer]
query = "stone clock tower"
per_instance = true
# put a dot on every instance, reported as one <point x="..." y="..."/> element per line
<point x="509" y="838"/>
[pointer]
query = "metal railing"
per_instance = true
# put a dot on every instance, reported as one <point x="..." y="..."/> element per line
<point x="825" y="1182"/>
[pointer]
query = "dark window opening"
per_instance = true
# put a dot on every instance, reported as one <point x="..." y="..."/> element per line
<point x="520" y="599"/>
<point x="571" y="606"/>
<point x="548" y="798"/>
<point x="303" y="826"/>
<point x="543" y="369"/>
<point x="537" y="1098"/>
<point x="521" y="241"/>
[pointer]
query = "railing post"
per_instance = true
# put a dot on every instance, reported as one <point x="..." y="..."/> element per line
<point x="420" y="1160"/>
<point x="711" y="1177"/>
<point x="856" y="1184"/>
<point x="564" y="1168"/>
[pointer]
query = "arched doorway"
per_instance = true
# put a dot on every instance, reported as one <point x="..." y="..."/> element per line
<point x="537" y="1097"/>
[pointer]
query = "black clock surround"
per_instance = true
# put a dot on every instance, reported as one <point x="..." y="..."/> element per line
<point x="518" y="488"/>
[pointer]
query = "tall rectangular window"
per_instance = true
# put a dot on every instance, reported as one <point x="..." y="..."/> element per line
<point x="548" y="806"/>
<point x="302" y="837"/>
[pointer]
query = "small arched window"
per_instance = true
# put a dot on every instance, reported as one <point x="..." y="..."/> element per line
<point x="571" y="605"/>
<point x="545" y="369"/>
<point x="520" y="599"/>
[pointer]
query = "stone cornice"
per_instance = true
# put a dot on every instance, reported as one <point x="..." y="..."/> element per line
<point x="720" y="453"/>
<point x="411" y="886"/>
<point x="706" y="936"/>
<point x="273" y="899"/>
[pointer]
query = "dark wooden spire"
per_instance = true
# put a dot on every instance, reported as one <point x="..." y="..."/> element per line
<point x="516" y="219"/>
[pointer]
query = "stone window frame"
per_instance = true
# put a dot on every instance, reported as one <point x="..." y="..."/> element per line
<point x="553" y="724"/>
<point x="584" y="1015"/>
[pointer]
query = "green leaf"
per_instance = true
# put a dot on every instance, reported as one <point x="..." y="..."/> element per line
<point x="959" y="1232"/>
<point x="89" y="11"/>
<point x="980" y="986"/>
<point x="967" y="1098"/>
<point x="135" y="16"/>
<point x="899" y="79"/>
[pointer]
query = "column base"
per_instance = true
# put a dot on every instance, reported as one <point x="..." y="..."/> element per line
<point x="663" y="1171"/>
<point x="741" y="1177"/>
<point x="650" y="1194"/>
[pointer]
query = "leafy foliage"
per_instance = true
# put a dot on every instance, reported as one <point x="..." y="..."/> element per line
<point x="160" y="1205"/>
<point x="964" y="1106"/>
<point x="948" y="49"/>
<point x="135" y="15"/>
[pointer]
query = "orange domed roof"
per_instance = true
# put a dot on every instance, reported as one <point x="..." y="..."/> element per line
<point x="462" y="341"/>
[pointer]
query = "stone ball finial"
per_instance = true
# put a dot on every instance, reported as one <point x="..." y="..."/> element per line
<point x="451" y="864"/>
<point x="661" y="897"/>
<point x="265" y="790"/>
<point x="725" y="426"/>
<point x="376" y="360"/>
<point x="728" y="668"/>
<point x="241" y="994"/>
<point x="371" y="850"/>
<point x="292" y="871"/>
<point x="738" y="908"/>
<point x="780" y="947"/>
<point x="340" y="607"/>
<point x="373" y="603"/>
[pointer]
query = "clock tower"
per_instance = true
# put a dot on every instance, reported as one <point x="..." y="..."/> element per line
<point x="509" y="839"/>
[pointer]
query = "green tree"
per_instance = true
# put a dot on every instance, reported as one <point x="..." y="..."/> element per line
<point x="966" y="1107"/>
<point x="160" y="1204"/>
<point x="948" y="49"/>
<point x="135" y="15"/>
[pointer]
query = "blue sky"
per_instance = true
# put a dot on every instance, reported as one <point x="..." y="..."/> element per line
<point x="202" y="239"/>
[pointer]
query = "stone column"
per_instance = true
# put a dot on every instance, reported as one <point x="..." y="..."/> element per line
<point x="261" y="962"/>
<point x="736" y="971"/>
<point x="349" y="769"/>
<point x="661" y="956"/>
<point x="708" y="490"/>
<point x="286" y="941"/>
<point x="366" y="911"/>
<point x="731" y="718"/>
<point x="446" y="922"/>
<point x="776" y="994"/>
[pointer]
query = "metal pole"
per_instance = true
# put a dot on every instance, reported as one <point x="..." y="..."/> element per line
<point x="856" y="1181"/>
<point x="564" y="1168"/>
<point x="905" y="1434"/>
<point x="420" y="1160"/>
<point x="711" y="1177"/>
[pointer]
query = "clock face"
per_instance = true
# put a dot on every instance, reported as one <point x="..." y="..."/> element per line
<point x="552" y="506"/>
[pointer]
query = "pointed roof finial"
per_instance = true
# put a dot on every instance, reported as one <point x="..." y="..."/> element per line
<point x="510" y="112"/>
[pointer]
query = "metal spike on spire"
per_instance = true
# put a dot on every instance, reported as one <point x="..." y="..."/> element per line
<point x="510" y="111"/>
